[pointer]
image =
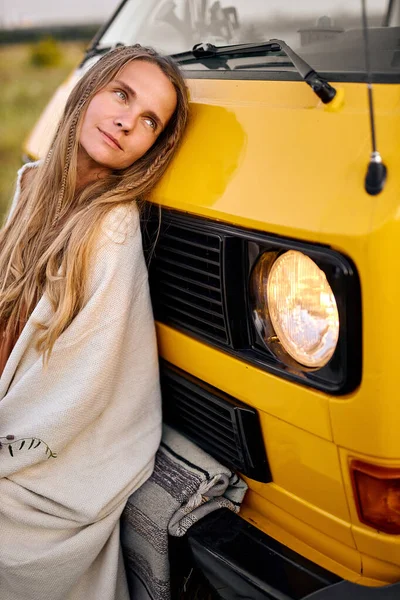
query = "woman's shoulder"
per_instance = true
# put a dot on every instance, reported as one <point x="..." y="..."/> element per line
<point x="26" y="173"/>
<point x="121" y="223"/>
<point x="24" y="178"/>
<point x="118" y="257"/>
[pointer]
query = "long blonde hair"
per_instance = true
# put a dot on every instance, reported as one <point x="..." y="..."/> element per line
<point x="47" y="244"/>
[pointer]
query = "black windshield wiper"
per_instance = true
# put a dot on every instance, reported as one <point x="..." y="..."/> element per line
<point x="203" y="52"/>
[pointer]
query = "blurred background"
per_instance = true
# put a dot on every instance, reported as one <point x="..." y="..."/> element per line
<point x="40" y="43"/>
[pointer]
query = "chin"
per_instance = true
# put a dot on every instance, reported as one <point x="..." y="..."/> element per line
<point x="102" y="159"/>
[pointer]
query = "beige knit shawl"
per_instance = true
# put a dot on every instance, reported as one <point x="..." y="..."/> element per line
<point x="97" y="406"/>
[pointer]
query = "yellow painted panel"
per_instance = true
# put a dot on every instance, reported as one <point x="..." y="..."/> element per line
<point x="292" y="533"/>
<point x="368" y="422"/>
<point x="293" y="403"/>
<point x="377" y="568"/>
<point x="307" y="467"/>
<point x="301" y="537"/>
<point x="315" y="545"/>
<point x="276" y="161"/>
<point x="305" y="512"/>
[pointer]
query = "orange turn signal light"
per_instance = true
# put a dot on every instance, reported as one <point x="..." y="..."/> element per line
<point x="377" y="494"/>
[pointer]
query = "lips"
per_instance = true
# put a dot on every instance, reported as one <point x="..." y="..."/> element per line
<point x="110" y="139"/>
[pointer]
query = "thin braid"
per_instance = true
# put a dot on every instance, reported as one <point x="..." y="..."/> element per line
<point x="157" y="164"/>
<point x="162" y="158"/>
<point x="71" y="138"/>
<point x="65" y="172"/>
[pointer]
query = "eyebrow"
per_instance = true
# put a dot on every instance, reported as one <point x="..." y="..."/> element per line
<point x="132" y="93"/>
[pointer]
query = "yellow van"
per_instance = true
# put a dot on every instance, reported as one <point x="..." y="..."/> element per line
<point x="274" y="282"/>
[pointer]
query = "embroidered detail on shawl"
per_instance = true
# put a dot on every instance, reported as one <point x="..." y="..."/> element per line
<point x="9" y="440"/>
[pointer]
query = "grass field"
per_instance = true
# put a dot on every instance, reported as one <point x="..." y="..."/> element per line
<point x="25" y="90"/>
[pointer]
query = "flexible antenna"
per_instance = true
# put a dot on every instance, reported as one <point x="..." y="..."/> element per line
<point x="375" y="178"/>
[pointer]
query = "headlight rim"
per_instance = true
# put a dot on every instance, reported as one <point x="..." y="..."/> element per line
<point x="270" y="337"/>
<point x="343" y="373"/>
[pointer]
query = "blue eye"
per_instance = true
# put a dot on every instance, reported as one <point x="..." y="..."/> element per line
<point x="121" y="95"/>
<point x="151" y="122"/>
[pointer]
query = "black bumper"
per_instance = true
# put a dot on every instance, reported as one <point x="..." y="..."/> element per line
<point x="240" y="562"/>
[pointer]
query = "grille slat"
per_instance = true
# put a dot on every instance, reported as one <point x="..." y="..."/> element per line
<point x="187" y="405"/>
<point x="182" y="290"/>
<point x="191" y="236"/>
<point x="212" y="408"/>
<point x="181" y="276"/>
<point x="187" y="415"/>
<point x="186" y="279"/>
<point x="211" y="444"/>
<point x="191" y="304"/>
<point x="224" y="427"/>
<point x="169" y="261"/>
<point x="196" y="245"/>
<point x="187" y="254"/>
<point x="191" y="316"/>
<point x="200" y="330"/>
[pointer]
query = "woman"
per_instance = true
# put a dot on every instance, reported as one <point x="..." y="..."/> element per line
<point x="80" y="402"/>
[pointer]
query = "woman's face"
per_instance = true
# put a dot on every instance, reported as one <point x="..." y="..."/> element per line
<point x="123" y="120"/>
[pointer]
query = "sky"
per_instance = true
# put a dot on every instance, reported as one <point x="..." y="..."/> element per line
<point x="36" y="12"/>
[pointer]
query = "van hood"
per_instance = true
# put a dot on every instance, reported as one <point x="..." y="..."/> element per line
<point x="270" y="156"/>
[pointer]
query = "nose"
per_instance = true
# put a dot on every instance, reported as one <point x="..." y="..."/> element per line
<point x="126" y="121"/>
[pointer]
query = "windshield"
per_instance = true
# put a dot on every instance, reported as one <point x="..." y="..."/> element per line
<point x="327" y="34"/>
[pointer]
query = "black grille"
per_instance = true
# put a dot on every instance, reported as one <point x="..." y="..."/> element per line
<point x="224" y="427"/>
<point x="186" y="281"/>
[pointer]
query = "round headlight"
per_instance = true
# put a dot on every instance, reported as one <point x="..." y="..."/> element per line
<point x="293" y="301"/>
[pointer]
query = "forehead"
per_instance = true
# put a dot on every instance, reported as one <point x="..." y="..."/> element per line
<point x="143" y="76"/>
<point x="142" y="69"/>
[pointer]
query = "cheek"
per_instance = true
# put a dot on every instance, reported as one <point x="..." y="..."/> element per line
<point x="86" y="124"/>
<point x="141" y="144"/>
<point x="94" y="112"/>
<point x="89" y="123"/>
